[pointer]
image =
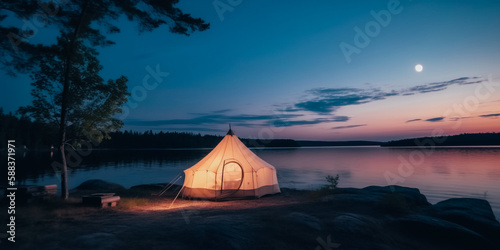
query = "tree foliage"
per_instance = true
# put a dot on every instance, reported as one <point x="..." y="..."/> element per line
<point x="68" y="89"/>
<point x="93" y="101"/>
<point x="30" y="133"/>
<point x="465" y="139"/>
<point x="88" y="21"/>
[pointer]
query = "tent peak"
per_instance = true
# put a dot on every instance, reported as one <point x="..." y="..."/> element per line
<point x="230" y="132"/>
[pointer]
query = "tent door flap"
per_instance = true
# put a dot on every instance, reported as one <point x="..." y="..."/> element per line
<point x="232" y="178"/>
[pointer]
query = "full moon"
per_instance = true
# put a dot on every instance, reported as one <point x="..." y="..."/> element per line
<point x="419" y="67"/>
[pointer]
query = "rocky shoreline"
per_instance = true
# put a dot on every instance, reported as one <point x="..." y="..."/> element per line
<point x="457" y="223"/>
<point x="390" y="217"/>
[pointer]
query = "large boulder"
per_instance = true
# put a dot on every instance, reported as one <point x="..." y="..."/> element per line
<point x="476" y="207"/>
<point x="305" y="219"/>
<point x="440" y="233"/>
<point x="388" y="199"/>
<point x="474" y="214"/>
<point x="98" y="240"/>
<point x="99" y="185"/>
<point x="358" y="198"/>
<point x="355" y="224"/>
<point x="358" y="231"/>
<point x="411" y="195"/>
<point x="220" y="232"/>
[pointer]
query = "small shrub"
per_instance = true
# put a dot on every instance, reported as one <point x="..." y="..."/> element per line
<point x="327" y="189"/>
<point x="332" y="182"/>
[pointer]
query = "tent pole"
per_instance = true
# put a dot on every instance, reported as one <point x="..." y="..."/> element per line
<point x="167" y="187"/>
<point x="176" y="197"/>
<point x="222" y="179"/>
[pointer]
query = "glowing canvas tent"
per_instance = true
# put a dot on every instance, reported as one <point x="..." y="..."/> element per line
<point x="230" y="170"/>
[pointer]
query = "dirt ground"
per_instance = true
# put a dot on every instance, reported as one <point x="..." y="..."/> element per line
<point x="290" y="220"/>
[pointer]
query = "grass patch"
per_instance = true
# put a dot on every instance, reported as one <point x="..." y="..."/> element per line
<point x="130" y="202"/>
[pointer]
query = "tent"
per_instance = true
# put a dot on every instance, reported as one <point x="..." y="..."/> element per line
<point x="230" y="170"/>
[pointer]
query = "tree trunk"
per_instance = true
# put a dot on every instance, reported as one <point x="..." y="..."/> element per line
<point x="62" y="126"/>
<point x="64" y="172"/>
<point x="64" y="105"/>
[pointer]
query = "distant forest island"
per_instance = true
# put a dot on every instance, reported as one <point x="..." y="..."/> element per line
<point x="475" y="139"/>
<point x="35" y="135"/>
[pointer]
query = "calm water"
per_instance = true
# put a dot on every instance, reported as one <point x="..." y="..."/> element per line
<point x="442" y="173"/>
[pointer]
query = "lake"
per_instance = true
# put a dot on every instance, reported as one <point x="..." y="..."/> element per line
<point x="440" y="173"/>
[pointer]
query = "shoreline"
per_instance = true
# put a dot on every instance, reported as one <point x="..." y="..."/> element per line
<point x="373" y="217"/>
<point x="40" y="150"/>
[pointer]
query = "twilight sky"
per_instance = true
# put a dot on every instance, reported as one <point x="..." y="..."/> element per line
<point x="322" y="70"/>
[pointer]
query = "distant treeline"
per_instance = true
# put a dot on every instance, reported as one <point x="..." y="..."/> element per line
<point x="337" y="143"/>
<point x="25" y="132"/>
<point x="150" y="139"/>
<point x="36" y="135"/>
<point x="270" y="143"/>
<point x="476" y="139"/>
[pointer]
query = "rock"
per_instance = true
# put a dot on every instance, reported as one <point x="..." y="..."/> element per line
<point x="474" y="214"/>
<point x="221" y="232"/>
<point x="478" y="207"/>
<point x="353" y="195"/>
<point x="98" y="241"/>
<point x="411" y="195"/>
<point x="99" y="185"/>
<point x="451" y="224"/>
<point x="354" y="198"/>
<point x="387" y="200"/>
<point x="305" y="219"/>
<point x="440" y="233"/>
<point x="355" y="224"/>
